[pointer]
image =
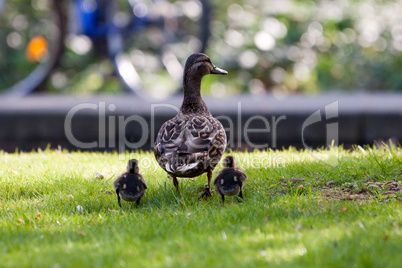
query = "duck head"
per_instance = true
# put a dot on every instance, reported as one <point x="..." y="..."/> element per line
<point x="132" y="166"/>
<point x="199" y="64"/>
<point x="229" y="162"/>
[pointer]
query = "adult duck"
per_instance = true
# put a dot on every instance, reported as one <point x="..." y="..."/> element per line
<point x="192" y="142"/>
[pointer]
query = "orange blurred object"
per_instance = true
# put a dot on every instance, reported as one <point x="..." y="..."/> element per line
<point x="37" y="48"/>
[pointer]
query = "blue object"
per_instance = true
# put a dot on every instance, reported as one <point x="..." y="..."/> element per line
<point x="91" y="20"/>
<point x="89" y="15"/>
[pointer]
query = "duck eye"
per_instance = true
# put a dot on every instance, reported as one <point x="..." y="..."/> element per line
<point x="205" y="60"/>
<point x="201" y="64"/>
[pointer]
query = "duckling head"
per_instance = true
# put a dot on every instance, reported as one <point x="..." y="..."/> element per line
<point x="199" y="64"/>
<point x="132" y="166"/>
<point x="229" y="162"/>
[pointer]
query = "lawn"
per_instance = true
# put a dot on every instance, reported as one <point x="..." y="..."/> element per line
<point x="299" y="211"/>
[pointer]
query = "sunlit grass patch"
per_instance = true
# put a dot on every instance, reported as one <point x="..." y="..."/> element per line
<point x="298" y="211"/>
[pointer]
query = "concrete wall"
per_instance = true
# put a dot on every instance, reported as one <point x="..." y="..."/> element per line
<point x="126" y="122"/>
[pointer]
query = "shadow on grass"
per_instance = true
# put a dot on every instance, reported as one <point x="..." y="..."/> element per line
<point x="299" y="232"/>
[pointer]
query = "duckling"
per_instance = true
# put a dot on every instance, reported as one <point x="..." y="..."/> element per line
<point x="130" y="185"/>
<point x="230" y="180"/>
<point x="192" y="142"/>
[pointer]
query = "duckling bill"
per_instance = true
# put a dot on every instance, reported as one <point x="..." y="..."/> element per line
<point x="230" y="180"/>
<point x="130" y="186"/>
<point x="192" y="142"/>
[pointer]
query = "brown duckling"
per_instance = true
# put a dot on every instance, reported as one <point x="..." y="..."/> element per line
<point x="192" y="142"/>
<point x="130" y="186"/>
<point x="230" y="180"/>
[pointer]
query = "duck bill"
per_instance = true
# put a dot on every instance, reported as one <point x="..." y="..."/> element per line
<point x="217" y="70"/>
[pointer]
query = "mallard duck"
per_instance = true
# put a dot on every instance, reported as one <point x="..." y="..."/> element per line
<point x="230" y="180"/>
<point x="192" y="142"/>
<point x="130" y="185"/>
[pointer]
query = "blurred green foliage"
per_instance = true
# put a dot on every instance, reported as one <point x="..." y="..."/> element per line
<point x="309" y="46"/>
<point x="279" y="46"/>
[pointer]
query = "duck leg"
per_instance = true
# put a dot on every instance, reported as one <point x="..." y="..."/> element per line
<point x="118" y="197"/>
<point x="138" y="201"/>
<point x="207" y="192"/>
<point x="176" y="183"/>
<point x="223" y="198"/>
<point x="241" y="193"/>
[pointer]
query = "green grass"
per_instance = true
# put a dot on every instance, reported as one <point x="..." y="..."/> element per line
<point x="298" y="212"/>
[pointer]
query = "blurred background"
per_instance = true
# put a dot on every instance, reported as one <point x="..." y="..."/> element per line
<point x="277" y="46"/>
<point x="286" y="59"/>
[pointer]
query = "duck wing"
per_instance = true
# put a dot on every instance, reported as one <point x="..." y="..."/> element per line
<point x="186" y="141"/>
<point x="130" y="181"/>
<point x="230" y="178"/>
<point x="142" y="182"/>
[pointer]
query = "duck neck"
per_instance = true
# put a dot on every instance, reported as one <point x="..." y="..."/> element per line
<point x="193" y="102"/>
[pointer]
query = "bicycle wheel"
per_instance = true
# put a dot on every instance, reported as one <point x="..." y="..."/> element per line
<point x="150" y="59"/>
<point x="31" y="42"/>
